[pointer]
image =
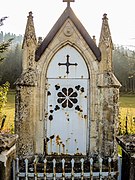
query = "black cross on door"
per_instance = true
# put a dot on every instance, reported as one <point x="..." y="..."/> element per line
<point x="67" y="64"/>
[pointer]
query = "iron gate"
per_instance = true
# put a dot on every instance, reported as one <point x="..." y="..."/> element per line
<point x="55" y="169"/>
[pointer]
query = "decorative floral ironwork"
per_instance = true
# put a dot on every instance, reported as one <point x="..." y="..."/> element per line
<point x="67" y="97"/>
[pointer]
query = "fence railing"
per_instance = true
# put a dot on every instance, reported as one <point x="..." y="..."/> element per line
<point x="56" y="169"/>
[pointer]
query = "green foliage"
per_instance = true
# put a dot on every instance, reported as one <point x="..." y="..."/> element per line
<point x="11" y="67"/>
<point x="3" y="95"/>
<point x="4" y="88"/>
<point x="17" y="39"/>
<point x="127" y="101"/>
<point x="9" y="110"/>
<point x="3" y="47"/>
<point x="124" y="68"/>
<point x="127" y="115"/>
<point x="3" y="100"/>
<point x="2" y="19"/>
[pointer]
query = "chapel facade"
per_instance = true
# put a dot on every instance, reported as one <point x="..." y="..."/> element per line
<point x="67" y="97"/>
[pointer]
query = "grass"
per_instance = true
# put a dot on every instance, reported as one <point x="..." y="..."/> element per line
<point x="127" y="111"/>
<point x="9" y="111"/>
<point x="127" y="101"/>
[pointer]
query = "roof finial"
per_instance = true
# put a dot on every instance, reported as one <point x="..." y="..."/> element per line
<point x="68" y="2"/>
<point x="105" y="16"/>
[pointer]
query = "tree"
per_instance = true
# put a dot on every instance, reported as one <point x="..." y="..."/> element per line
<point x="3" y="47"/>
<point x="124" y="68"/>
<point x="11" y="67"/>
<point x="2" y="19"/>
<point x="4" y="88"/>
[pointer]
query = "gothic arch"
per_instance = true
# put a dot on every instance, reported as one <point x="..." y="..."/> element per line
<point x="92" y="67"/>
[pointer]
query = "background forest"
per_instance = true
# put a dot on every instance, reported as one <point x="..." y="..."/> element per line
<point x="10" y="68"/>
<point x="123" y="63"/>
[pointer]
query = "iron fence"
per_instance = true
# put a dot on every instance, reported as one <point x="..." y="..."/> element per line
<point x="61" y="169"/>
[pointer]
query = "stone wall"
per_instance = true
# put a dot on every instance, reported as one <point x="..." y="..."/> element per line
<point x="7" y="154"/>
<point x="32" y="87"/>
<point x="109" y="109"/>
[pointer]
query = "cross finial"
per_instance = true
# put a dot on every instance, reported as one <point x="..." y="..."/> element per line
<point x="68" y="2"/>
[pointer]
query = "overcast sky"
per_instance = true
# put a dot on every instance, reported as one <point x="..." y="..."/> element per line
<point x="121" y="15"/>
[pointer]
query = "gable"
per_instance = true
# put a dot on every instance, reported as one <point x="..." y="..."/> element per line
<point x="68" y="13"/>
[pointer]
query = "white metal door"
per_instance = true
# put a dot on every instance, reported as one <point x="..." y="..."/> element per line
<point x="67" y="103"/>
<point x="67" y="119"/>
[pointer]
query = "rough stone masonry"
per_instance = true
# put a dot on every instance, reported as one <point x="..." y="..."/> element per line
<point x="60" y="112"/>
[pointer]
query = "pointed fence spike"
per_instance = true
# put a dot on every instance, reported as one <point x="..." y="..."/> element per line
<point x="91" y="161"/>
<point x="26" y="169"/>
<point x="72" y="170"/>
<point x="26" y="174"/>
<point x="109" y="168"/>
<point x="45" y="161"/>
<point x="72" y="162"/>
<point x="63" y="160"/>
<point x="100" y="168"/>
<point x="54" y="168"/>
<point x="36" y="159"/>
<point x="63" y="163"/>
<point x="45" y="165"/>
<point x="109" y="159"/>
<point x="82" y="167"/>
<point x="100" y="160"/>
<point x="54" y="162"/>
<point x="82" y="160"/>
<point x="63" y="167"/>
<point x="35" y="167"/>
<point x="91" y="168"/>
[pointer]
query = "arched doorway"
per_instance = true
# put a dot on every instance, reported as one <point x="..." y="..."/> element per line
<point x="67" y="103"/>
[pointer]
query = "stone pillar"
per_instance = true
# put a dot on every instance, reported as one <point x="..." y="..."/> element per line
<point x="24" y="118"/>
<point x="7" y="154"/>
<point x="109" y="106"/>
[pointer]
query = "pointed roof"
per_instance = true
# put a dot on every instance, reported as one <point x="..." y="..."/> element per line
<point x="29" y="31"/>
<point x="105" y="35"/>
<point x="68" y="13"/>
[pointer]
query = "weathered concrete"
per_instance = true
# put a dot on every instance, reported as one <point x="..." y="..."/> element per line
<point x="7" y="154"/>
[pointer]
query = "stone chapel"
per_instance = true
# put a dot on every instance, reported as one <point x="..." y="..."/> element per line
<point x="67" y="97"/>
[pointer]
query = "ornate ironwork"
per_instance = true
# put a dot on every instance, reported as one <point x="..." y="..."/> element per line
<point x="67" y="64"/>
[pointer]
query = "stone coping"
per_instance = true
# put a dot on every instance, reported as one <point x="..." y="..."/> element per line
<point x="127" y="142"/>
<point x="7" y="141"/>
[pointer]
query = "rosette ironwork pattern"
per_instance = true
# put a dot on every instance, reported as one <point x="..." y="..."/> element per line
<point x="67" y="97"/>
